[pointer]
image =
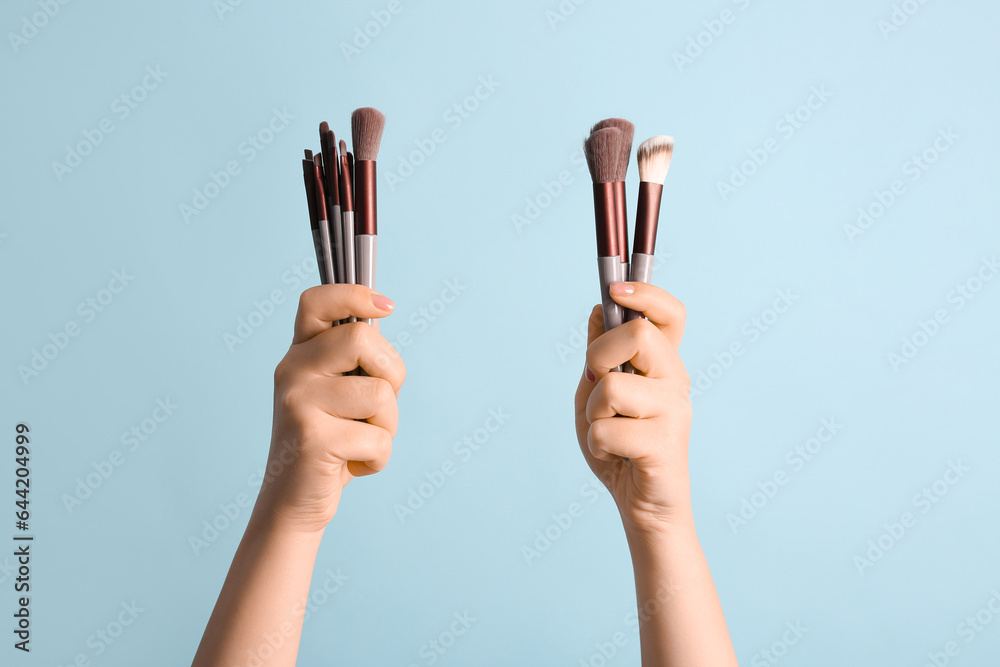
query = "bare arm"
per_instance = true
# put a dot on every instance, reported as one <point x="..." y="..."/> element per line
<point x="329" y="427"/>
<point x="633" y="431"/>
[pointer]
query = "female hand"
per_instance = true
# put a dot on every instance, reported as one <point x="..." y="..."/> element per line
<point x="329" y="426"/>
<point x="633" y="429"/>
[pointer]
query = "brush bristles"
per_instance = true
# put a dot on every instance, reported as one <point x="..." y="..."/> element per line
<point x="628" y="134"/>
<point x="324" y="127"/>
<point x="603" y="149"/>
<point x="654" y="157"/>
<point x="366" y="132"/>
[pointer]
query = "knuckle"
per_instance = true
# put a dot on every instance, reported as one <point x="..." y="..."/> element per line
<point x="381" y="392"/>
<point x="645" y="333"/>
<point x="358" y="335"/>
<point x="601" y="432"/>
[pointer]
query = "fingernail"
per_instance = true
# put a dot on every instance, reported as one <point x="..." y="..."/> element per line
<point x="622" y="289"/>
<point x="382" y="302"/>
<point x="589" y="374"/>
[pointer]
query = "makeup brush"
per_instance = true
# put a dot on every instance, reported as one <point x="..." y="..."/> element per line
<point x="621" y="215"/>
<point x="603" y="150"/>
<point x="654" y="157"/>
<point x="366" y="135"/>
<point x="331" y="186"/>
<point x="347" y="214"/>
<point x="322" y="220"/>
<point x="309" y="176"/>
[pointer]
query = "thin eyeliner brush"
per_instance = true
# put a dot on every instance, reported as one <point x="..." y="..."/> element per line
<point x="309" y="177"/>
<point x="322" y="221"/>
<point x="331" y="185"/>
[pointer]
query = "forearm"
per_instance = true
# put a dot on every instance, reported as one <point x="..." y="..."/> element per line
<point x="680" y="617"/>
<point x="258" y="617"/>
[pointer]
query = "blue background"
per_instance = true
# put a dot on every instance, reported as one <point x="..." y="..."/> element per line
<point x="510" y="340"/>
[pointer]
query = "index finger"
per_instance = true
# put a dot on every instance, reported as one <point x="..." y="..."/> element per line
<point x="659" y="306"/>
<point x="321" y="306"/>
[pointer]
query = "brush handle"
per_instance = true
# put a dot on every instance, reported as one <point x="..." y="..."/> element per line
<point x="337" y="227"/>
<point x="366" y="247"/>
<point x="318" y="246"/>
<point x="609" y="270"/>
<point x="641" y="272"/>
<point x="348" y="252"/>
<point x="327" y="249"/>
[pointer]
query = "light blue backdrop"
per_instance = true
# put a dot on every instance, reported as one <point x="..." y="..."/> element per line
<point x="788" y="119"/>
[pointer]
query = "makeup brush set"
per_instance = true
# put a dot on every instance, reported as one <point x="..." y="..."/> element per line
<point x="608" y="149"/>
<point x="340" y="189"/>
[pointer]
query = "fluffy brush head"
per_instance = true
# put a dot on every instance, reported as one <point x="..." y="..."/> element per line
<point x="366" y="132"/>
<point x="628" y="133"/>
<point x="603" y="149"/>
<point x="654" y="158"/>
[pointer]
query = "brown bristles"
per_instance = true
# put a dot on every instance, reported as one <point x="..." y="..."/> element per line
<point x="366" y="132"/>
<point x="602" y="150"/>
<point x="309" y="154"/>
<point x="324" y="127"/>
<point x="628" y="133"/>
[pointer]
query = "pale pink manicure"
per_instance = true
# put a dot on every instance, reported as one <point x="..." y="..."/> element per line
<point x="382" y="302"/>
<point x="589" y="374"/>
<point x="622" y="289"/>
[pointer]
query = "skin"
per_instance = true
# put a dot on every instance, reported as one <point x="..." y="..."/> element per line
<point x="633" y="430"/>
<point x="329" y="427"/>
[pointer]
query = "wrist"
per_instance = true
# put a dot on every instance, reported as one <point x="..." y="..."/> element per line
<point x="649" y="528"/>
<point x="269" y="517"/>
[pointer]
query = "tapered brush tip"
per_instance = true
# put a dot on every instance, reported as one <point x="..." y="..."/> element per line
<point x="628" y="134"/>
<point x="343" y="148"/>
<point x="308" y="154"/>
<point x="654" y="158"/>
<point x="324" y="127"/>
<point x="366" y="132"/>
<point x="602" y="150"/>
